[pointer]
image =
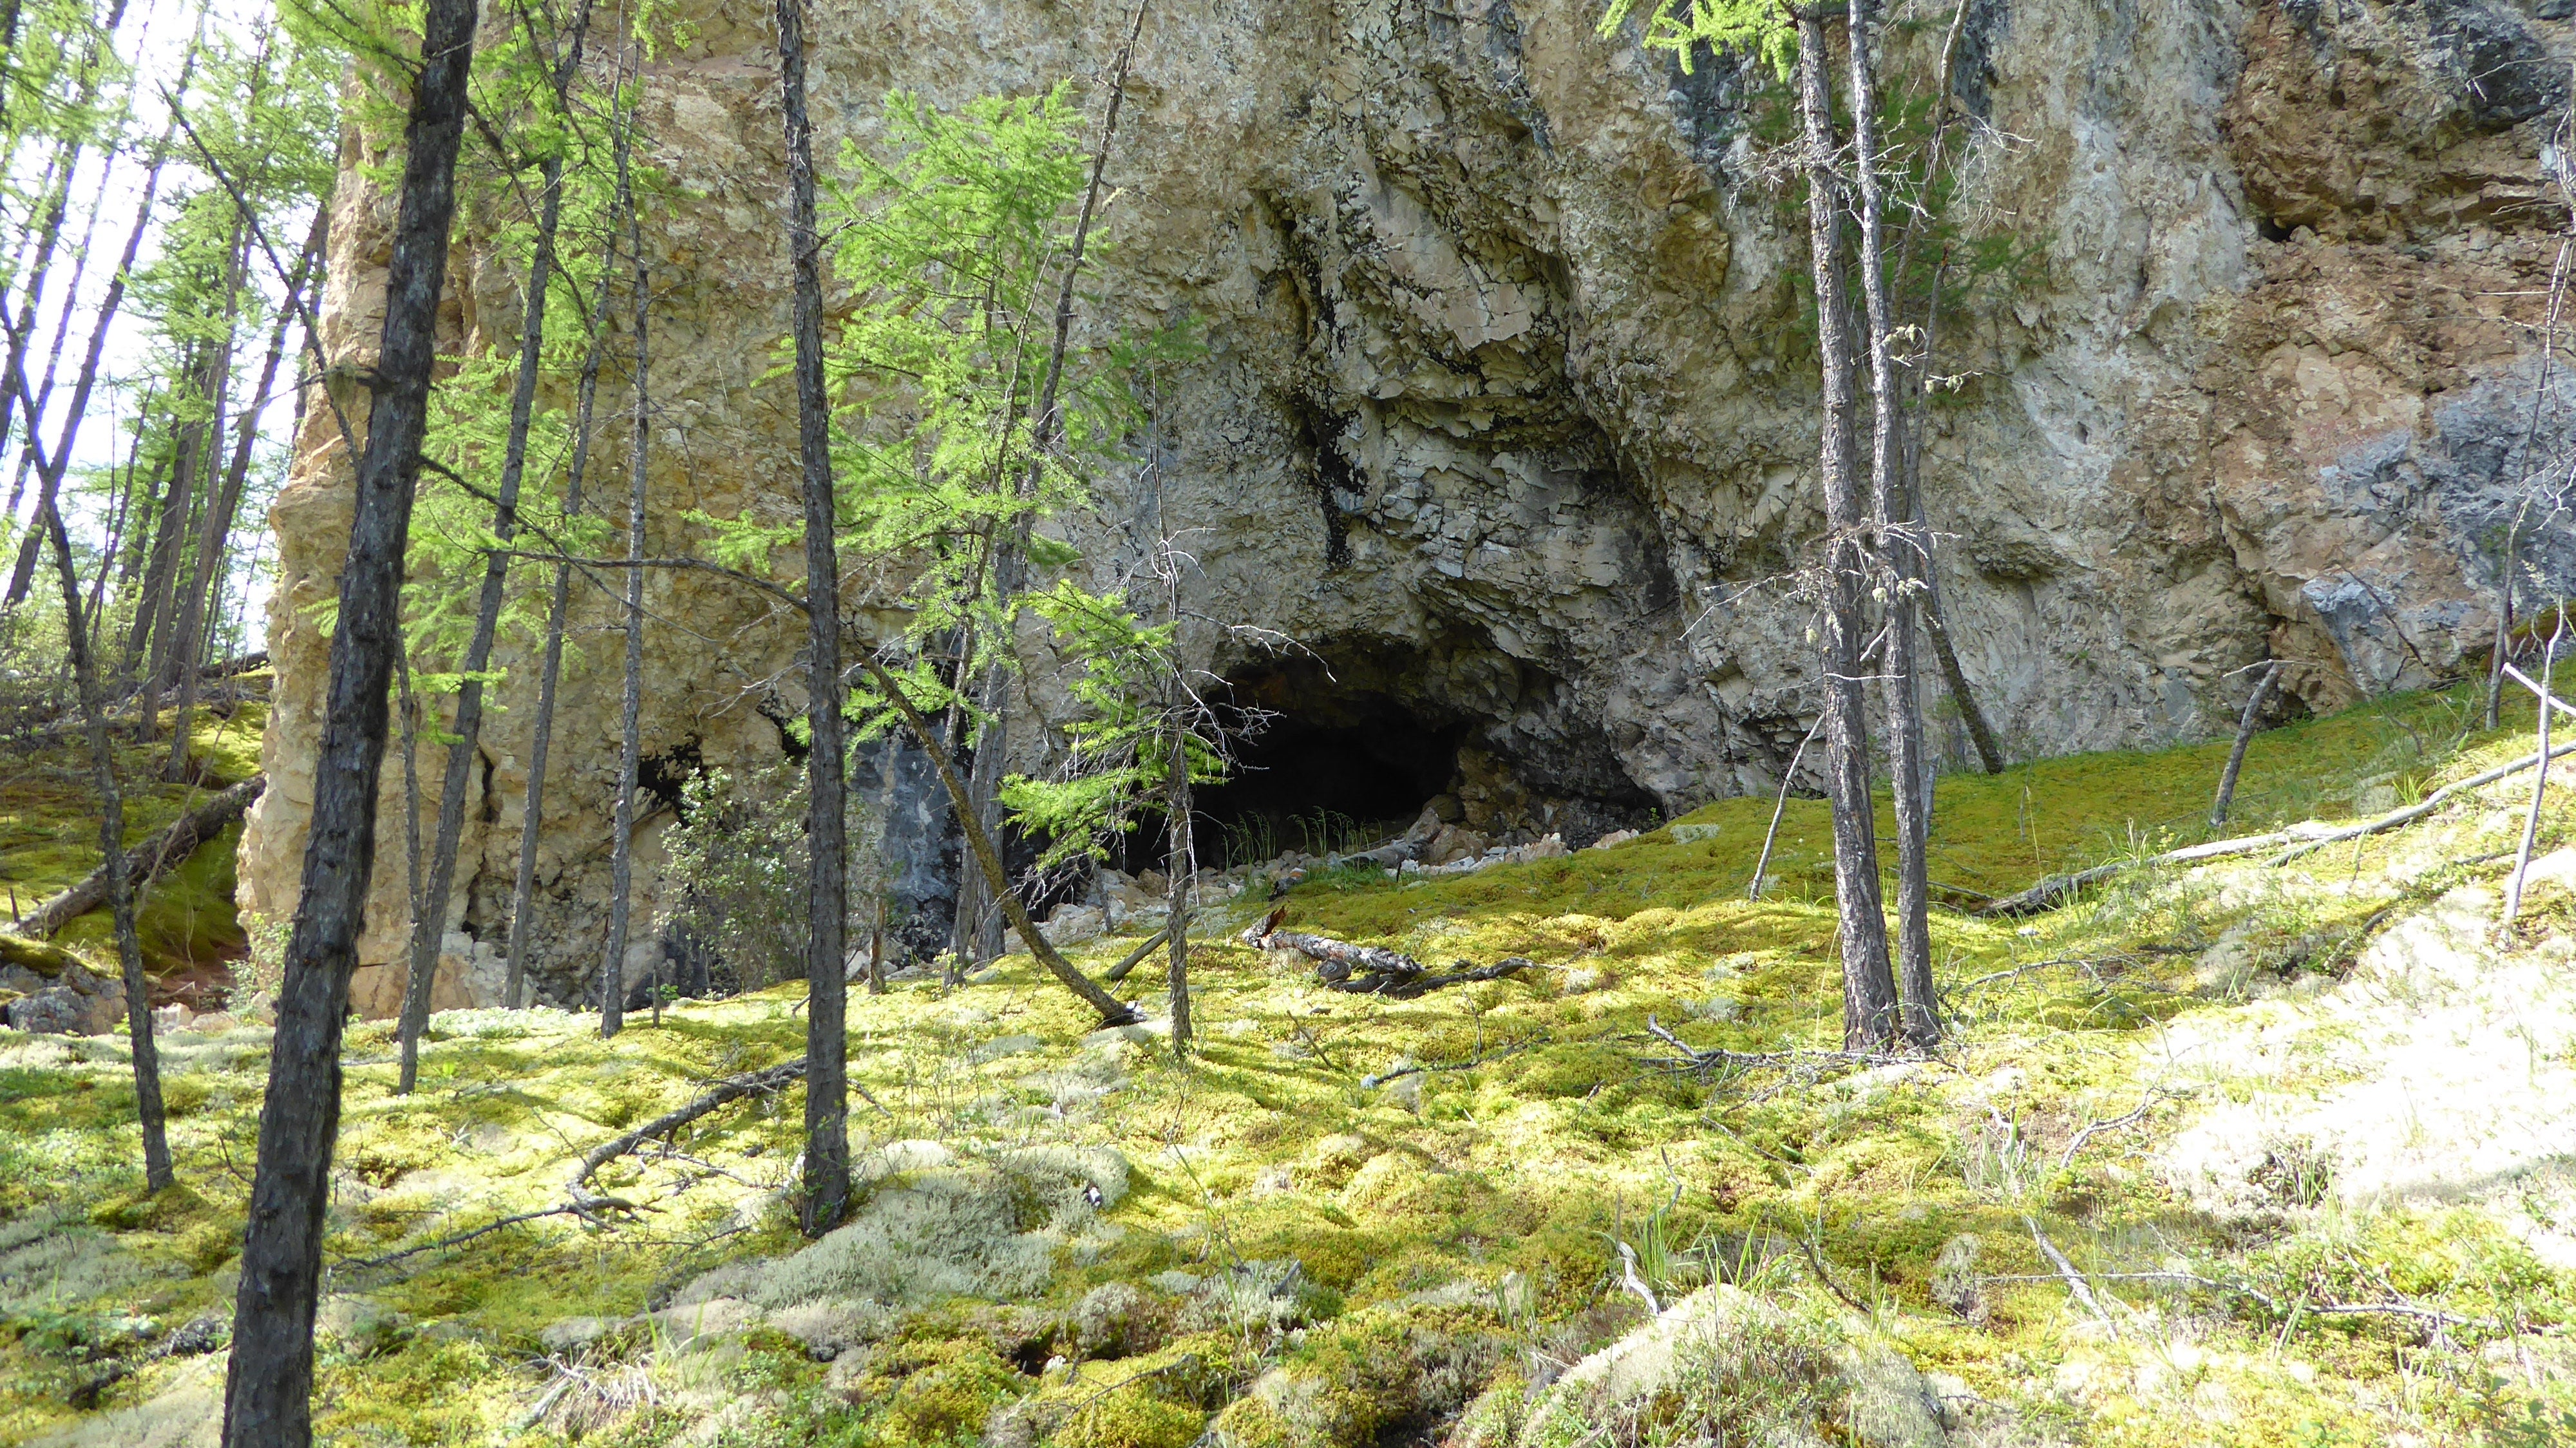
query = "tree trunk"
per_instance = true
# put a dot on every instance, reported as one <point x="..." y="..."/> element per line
<point x="1183" y="864"/>
<point x="1990" y="754"/>
<point x="2244" y="737"/>
<point x="409" y="706"/>
<point x="50" y="477"/>
<point x="157" y="1174"/>
<point x="1011" y="544"/>
<point x="827" y="1142"/>
<point x="268" y="1389"/>
<point x="1869" y="986"/>
<point x="196" y="604"/>
<point x="1113" y="1012"/>
<point x="621" y="858"/>
<point x="53" y="348"/>
<point x="1902" y="557"/>
<point x="2540" y="776"/>
<point x="882" y="827"/>
<point x="550" y="668"/>
<point x="155" y="620"/>
<point x="464" y="750"/>
<point x="120" y="513"/>
<point x="65" y="162"/>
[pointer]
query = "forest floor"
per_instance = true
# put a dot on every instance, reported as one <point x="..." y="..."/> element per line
<point x="2245" y="1153"/>
<point x="49" y="840"/>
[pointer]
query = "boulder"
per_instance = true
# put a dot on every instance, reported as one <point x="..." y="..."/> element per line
<point x="53" y="1011"/>
<point x="1724" y="1364"/>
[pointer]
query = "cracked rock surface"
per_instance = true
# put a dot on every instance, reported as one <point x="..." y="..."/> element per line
<point x="1503" y="410"/>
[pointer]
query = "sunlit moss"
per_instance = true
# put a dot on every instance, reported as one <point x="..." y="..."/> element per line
<point x="1444" y="1223"/>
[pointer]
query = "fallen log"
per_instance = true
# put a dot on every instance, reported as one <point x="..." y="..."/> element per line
<point x="156" y="856"/>
<point x="1371" y="969"/>
<point x="2047" y="893"/>
<point x="2417" y="811"/>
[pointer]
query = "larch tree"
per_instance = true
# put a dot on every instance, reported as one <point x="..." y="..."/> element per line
<point x="465" y="734"/>
<point x="827" y="1143"/>
<point x="269" y="1383"/>
<point x="1796" y="43"/>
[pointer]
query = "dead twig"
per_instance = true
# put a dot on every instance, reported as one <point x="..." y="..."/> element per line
<point x="564" y="1209"/>
<point x="2048" y="892"/>
<point x="1816" y="1265"/>
<point x="2095" y="1128"/>
<point x="1371" y="1083"/>
<point x="750" y="1083"/>
<point x="2075" y="1283"/>
<point x="1715" y="1058"/>
<point x="1753" y="887"/>
<point x="2087" y="962"/>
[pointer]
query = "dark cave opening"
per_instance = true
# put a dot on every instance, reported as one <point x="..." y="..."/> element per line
<point x="1341" y="777"/>
<point x="1320" y="765"/>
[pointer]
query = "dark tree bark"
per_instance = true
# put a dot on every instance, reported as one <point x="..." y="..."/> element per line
<point x="827" y="1141"/>
<point x="157" y="1173"/>
<point x="550" y="667"/>
<point x="2244" y="736"/>
<point x="621" y="857"/>
<point x="1177" y="806"/>
<point x="1902" y="558"/>
<point x="1869" y="986"/>
<point x="464" y="749"/>
<point x="214" y="541"/>
<point x="407" y="704"/>
<point x="268" y="1390"/>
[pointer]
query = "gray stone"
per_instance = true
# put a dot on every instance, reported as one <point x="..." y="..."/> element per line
<point x="571" y="1334"/>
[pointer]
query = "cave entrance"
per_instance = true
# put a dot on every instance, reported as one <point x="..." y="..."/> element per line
<point x="1330" y="769"/>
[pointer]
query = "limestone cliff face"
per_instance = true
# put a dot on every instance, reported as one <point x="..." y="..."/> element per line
<point x="1502" y="413"/>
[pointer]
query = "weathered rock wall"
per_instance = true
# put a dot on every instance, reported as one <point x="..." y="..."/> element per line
<point x="1503" y="412"/>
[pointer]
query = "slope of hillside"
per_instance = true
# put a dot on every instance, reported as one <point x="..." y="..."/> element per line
<point x="2247" y="1153"/>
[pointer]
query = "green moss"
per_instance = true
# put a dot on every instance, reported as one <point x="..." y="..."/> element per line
<point x="168" y="1209"/>
<point x="950" y="1390"/>
<point x="1443" y="1225"/>
<point x="49" y="840"/>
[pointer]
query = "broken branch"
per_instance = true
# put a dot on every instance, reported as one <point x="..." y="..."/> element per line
<point x="1136" y="957"/>
<point x="1370" y="969"/>
<point x="734" y="1088"/>
<point x="2417" y="811"/>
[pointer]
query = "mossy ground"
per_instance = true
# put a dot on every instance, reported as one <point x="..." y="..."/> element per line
<point x="1449" y="1222"/>
<point x="49" y="836"/>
